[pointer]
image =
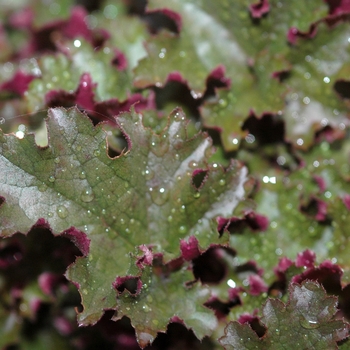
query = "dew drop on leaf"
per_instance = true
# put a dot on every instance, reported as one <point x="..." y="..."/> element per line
<point x="62" y="212"/>
<point x="57" y="160"/>
<point x="97" y="153"/>
<point x="149" y="174"/>
<point x="52" y="178"/>
<point x="87" y="196"/>
<point x="192" y="164"/>
<point x="182" y="229"/>
<point x="159" y="195"/>
<point x="50" y="215"/>
<point x="82" y="175"/>
<point x="42" y="187"/>
<point x="179" y="116"/>
<point x="197" y="195"/>
<point x="159" y="148"/>
<point x="146" y="308"/>
<point x="308" y="323"/>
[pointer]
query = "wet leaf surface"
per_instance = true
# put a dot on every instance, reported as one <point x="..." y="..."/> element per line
<point x="306" y="321"/>
<point x="106" y="204"/>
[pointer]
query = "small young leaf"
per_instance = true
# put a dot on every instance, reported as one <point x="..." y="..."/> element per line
<point x="305" y="322"/>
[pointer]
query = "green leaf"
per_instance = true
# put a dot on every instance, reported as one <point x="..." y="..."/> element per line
<point x="312" y="103"/>
<point x="10" y="324"/>
<point x="305" y="322"/>
<point x="60" y="72"/>
<point x="166" y="297"/>
<point x="127" y="33"/>
<point x="252" y="50"/>
<point x="111" y="206"/>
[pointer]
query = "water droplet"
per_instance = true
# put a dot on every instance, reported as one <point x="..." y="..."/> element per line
<point x="89" y="214"/>
<point x="179" y="116"/>
<point x="57" y="160"/>
<point x="82" y="175"/>
<point x="170" y="218"/>
<point x="250" y="138"/>
<point x="159" y="195"/>
<point x="97" y="153"/>
<point x="50" y="215"/>
<point x="159" y="146"/>
<point x="146" y="308"/>
<point x="87" y="196"/>
<point x="62" y="211"/>
<point x="52" y="178"/>
<point x="122" y="221"/>
<point x="222" y="182"/>
<point x="308" y="323"/>
<point x="306" y="100"/>
<point x="197" y="195"/>
<point x="183" y="208"/>
<point x="223" y="103"/>
<point x="149" y="174"/>
<point x="103" y="211"/>
<point x="182" y="229"/>
<point x="192" y="164"/>
<point x="42" y="187"/>
<point x="85" y="291"/>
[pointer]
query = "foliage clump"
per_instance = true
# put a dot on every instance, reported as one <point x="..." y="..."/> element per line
<point x="169" y="174"/>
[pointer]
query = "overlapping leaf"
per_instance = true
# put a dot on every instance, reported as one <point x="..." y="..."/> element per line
<point x="306" y="322"/>
<point x="253" y="50"/>
<point x="62" y="73"/>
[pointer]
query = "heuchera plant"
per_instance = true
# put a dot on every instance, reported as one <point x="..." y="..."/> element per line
<point x="174" y="175"/>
